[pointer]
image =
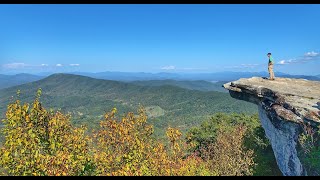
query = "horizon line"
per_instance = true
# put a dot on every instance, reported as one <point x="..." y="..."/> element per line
<point x="154" y="73"/>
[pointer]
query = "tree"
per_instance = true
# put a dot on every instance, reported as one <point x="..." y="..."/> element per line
<point x="126" y="147"/>
<point x="227" y="155"/>
<point x="204" y="136"/>
<point x="38" y="142"/>
<point x="309" y="145"/>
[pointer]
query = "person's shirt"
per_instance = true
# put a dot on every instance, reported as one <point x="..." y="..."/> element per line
<point x="270" y="59"/>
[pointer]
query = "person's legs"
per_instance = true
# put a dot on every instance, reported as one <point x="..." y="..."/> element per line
<point x="272" y="73"/>
<point x="270" y="70"/>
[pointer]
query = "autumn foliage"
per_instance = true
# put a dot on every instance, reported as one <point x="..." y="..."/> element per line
<point x="38" y="142"/>
<point x="126" y="147"/>
<point x="227" y="156"/>
<point x="41" y="142"/>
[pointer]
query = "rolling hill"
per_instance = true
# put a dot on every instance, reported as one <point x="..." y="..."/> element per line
<point x="87" y="99"/>
<point x="13" y="80"/>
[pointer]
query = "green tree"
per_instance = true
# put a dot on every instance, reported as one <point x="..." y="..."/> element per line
<point x="207" y="133"/>
<point x="309" y="143"/>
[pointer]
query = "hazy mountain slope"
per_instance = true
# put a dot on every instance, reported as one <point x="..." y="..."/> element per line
<point x="193" y="85"/>
<point x="13" y="80"/>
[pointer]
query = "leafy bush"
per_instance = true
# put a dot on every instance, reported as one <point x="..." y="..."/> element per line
<point x="309" y="142"/>
<point x="209" y="132"/>
<point x="227" y="156"/>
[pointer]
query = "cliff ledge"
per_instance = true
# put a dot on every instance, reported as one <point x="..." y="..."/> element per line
<point x="285" y="106"/>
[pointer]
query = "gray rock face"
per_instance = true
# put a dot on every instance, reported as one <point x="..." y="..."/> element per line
<point x="284" y="105"/>
<point x="283" y="141"/>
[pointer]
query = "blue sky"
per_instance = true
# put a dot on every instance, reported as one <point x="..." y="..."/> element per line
<point x="159" y="38"/>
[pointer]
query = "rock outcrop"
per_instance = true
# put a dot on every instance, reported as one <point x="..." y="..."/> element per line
<point x="285" y="106"/>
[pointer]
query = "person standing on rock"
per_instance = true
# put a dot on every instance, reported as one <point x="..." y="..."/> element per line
<point x="270" y="66"/>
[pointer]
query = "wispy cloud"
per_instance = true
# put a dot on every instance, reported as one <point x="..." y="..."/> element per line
<point x="241" y="66"/>
<point x="191" y="69"/>
<point x="182" y="68"/>
<point x="168" y="67"/>
<point x="289" y="61"/>
<point x="282" y="62"/>
<point x="248" y="65"/>
<point x="15" y="65"/>
<point x="311" y="54"/>
<point x="308" y="56"/>
<point x="22" y="66"/>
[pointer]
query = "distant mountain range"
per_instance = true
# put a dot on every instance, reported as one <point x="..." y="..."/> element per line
<point x="87" y="99"/>
<point x="218" y="76"/>
<point x="199" y="85"/>
<point x="12" y="80"/>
